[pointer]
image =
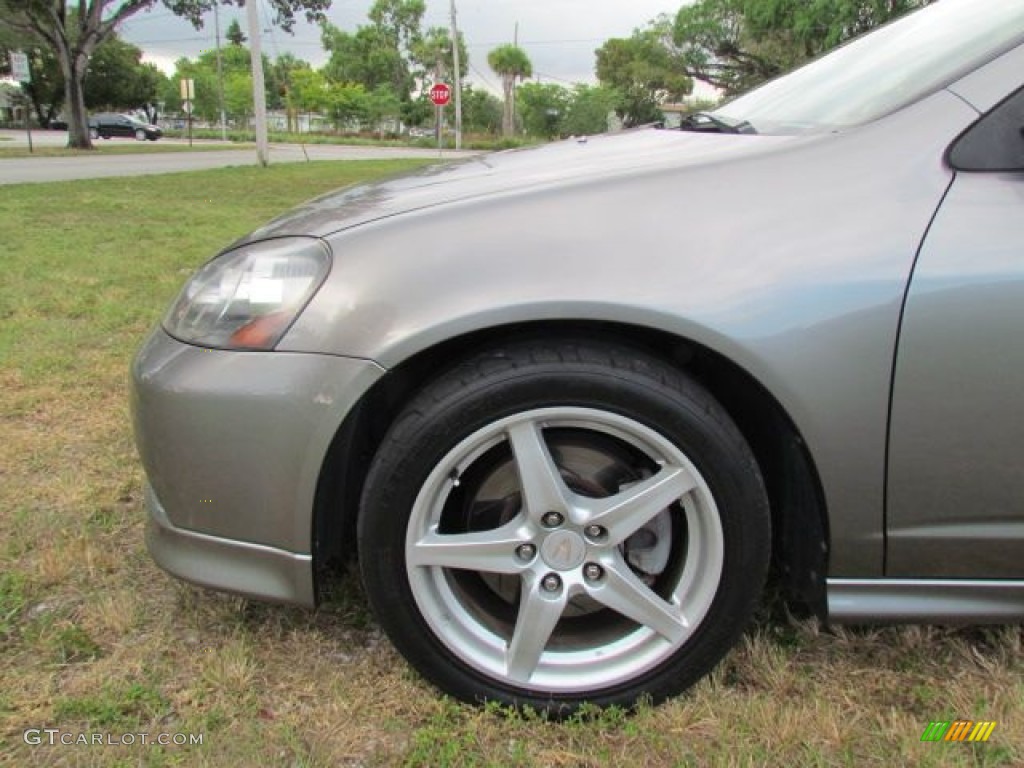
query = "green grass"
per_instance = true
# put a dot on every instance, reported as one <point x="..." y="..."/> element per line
<point x="115" y="147"/>
<point x="95" y="638"/>
<point x="125" y="705"/>
<point x="12" y="601"/>
<point x="478" y="141"/>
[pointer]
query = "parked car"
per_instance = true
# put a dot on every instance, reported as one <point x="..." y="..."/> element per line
<point x="106" y="125"/>
<point x="567" y="404"/>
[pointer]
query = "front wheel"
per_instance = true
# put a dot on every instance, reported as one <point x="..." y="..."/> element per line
<point x="552" y="524"/>
<point x="140" y="135"/>
<point x="94" y="134"/>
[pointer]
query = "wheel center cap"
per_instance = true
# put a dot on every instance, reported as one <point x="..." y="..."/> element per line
<point x="563" y="550"/>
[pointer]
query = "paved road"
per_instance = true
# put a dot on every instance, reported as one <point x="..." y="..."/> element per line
<point x="41" y="169"/>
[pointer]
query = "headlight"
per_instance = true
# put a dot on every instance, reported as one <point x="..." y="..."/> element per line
<point x="247" y="298"/>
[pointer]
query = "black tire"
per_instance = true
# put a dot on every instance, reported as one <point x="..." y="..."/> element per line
<point x="616" y="422"/>
<point x="140" y="135"/>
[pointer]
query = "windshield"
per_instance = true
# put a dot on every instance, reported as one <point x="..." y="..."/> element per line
<point x="883" y="71"/>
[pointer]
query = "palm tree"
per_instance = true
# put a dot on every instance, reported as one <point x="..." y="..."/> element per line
<point x="511" y="63"/>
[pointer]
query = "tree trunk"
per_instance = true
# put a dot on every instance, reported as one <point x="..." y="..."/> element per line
<point x="78" y="118"/>
<point x="507" y="119"/>
<point x="73" y="65"/>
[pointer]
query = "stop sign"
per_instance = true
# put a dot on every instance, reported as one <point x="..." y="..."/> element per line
<point x="440" y="94"/>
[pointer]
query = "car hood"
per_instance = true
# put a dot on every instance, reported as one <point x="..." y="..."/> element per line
<point x="573" y="161"/>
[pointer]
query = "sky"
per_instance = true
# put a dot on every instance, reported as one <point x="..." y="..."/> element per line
<point x="559" y="36"/>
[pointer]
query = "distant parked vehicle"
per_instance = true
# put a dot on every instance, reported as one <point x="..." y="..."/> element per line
<point x="106" y="125"/>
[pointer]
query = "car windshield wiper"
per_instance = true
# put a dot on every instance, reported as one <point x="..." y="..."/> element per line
<point x="707" y="122"/>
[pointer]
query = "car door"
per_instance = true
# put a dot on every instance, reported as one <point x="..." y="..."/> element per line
<point x="955" y="503"/>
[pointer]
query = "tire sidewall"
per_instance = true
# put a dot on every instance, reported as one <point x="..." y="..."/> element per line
<point x="435" y="423"/>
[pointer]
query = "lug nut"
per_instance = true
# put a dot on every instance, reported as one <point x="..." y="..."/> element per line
<point x="526" y="551"/>
<point x="552" y="519"/>
<point x="551" y="583"/>
<point x="593" y="572"/>
<point x="594" y="531"/>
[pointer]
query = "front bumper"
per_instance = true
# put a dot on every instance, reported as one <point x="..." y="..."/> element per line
<point x="253" y="570"/>
<point x="233" y="444"/>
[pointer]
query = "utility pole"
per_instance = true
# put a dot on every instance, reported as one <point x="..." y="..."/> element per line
<point x="438" y="109"/>
<point x="259" y="95"/>
<point x="220" y="76"/>
<point x="458" y="80"/>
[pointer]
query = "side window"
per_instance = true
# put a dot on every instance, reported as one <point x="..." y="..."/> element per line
<point x="995" y="142"/>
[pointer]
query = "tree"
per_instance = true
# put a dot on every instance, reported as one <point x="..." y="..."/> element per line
<point x="283" y="72"/>
<point x="346" y="104"/>
<point x="433" y="54"/>
<point x="434" y="61"/>
<point x="511" y="64"/>
<point x="645" y="70"/>
<point x="392" y="52"/>
<point x="45" y="93"/>
<point x="75" y="37"/>
<point x="737" y="44"/>
<point x="381" y="107"/>
<point x="543" y="107"/>
<point x="588" y="110"/>
<point x="117" y="79"/>
<point x="364" y="57"/>
<point x="235" y="35"/>
<point x="237" y="96"/>
<point x="398" y="23"/>
<point x="308" y="91"/>
<point x="380" y="53"/>
<point x="552" y="110"/>
<point x="481" y="111"/>
<point x="237" y="72"/>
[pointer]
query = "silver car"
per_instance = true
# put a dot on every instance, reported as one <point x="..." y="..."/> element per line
<point x="568" y="405"/>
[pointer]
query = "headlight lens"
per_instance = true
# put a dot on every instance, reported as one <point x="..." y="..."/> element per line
<point x="247" y="298"/>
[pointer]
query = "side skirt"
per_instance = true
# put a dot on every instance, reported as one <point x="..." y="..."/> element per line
<point x="925" y="601"/>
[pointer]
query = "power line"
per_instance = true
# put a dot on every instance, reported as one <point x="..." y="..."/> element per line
<point x="524" y="43"/>
<point x="204" y="38"/>
<point x="483" y="77"/>
<point x="553" y="77"/>
<point x="132" y="20"/>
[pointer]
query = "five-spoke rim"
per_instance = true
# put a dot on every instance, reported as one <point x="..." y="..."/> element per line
<point x="564" y="547"/>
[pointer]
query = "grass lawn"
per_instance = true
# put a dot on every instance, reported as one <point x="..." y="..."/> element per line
<point x="94" y="638"/>
<point x="116" y="147"/>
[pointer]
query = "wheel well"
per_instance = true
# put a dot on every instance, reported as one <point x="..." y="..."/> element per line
<point x="799" y="520"/>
